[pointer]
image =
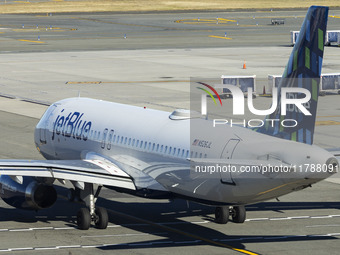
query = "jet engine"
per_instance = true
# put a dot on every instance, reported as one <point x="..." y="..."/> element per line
<point x="30" y="195"/>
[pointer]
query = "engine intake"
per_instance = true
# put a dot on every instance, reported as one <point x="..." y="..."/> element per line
<point x="30" y="195"/>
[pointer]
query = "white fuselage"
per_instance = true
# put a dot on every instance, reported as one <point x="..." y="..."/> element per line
<point x="164" y="154"/>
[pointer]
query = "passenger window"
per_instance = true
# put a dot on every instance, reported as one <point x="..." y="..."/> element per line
<point x="165" y="149"/>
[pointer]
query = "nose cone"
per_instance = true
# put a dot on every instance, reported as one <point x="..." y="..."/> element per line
<point x="312" y="163"/>
<point x="324" y="170"/>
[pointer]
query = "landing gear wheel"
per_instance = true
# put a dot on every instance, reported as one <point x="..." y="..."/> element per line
<point x="239" y="214"/>
<point x="222" y="215"/>
<point x="83" y="219"/>
<point x="102" y="218"/>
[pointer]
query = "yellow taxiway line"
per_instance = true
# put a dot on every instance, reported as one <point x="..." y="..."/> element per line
<point x="220" y="37"/>
<point x="23" y="40"/>
<point x="332" y="116"/>
<point x="200" y="21"/>
<point x="327" y="123"/>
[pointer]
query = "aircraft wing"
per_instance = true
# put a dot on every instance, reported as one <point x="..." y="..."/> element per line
<point x="86" y="171"/>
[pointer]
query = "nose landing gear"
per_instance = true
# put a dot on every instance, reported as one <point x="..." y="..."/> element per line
<point x="85" y="216"/>
<point x="100" y="218"/>
<point x="237" y="213"/>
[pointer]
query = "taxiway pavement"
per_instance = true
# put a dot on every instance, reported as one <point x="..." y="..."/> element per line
<point x="68" y="55"/>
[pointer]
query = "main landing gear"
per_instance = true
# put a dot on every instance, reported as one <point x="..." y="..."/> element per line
<point x="237" y="213"/>
<point x="85" y="216"/>
<point x="99" y="217"/>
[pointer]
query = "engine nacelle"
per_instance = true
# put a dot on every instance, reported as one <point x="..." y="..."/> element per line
<point x="30" y="195"/>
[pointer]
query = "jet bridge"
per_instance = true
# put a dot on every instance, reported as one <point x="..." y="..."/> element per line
<point x="242" y="81"/>
<point x="331" y="37"/>
<point x="329" y="83"/>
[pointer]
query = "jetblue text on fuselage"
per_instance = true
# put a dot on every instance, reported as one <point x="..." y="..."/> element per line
<point x="71" y="125"/>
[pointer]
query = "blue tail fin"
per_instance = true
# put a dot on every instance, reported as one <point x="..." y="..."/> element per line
<point x="302" y="71"/>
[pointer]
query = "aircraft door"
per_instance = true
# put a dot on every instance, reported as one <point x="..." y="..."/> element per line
<point x="227" y="153"/>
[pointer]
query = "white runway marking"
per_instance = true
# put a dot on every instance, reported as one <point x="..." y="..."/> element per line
<point x="295" y="218"/>
<point x="78" y="246"/>
<point x="126" y="235"/>
<point x="299" y="217"/>
<point x="44" y="248"/>
<point x="175" y="223"/>
<point x="68" y="246"/>
<point x="20" y="230"/>
<point x="321" y="217"/>
<point x="43" y="228"/>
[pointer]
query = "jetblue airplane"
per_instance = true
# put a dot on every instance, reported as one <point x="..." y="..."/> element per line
<point x="153" y="154"/>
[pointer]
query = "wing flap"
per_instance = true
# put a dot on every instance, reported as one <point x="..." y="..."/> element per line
<point x="88" y="171"/>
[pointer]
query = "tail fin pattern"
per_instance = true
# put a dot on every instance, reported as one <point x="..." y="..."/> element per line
<point x="303" y="70"/>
